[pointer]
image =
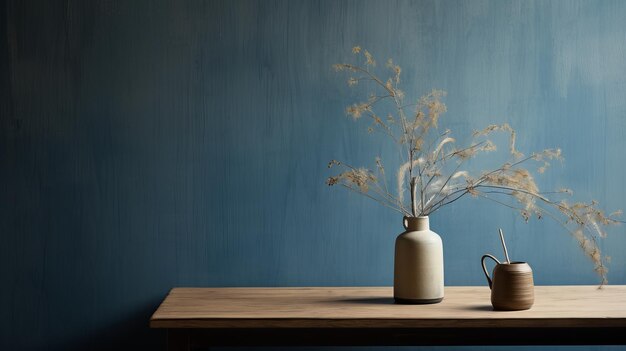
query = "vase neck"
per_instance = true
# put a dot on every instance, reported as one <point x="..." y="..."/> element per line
<point x="416" y="223"/>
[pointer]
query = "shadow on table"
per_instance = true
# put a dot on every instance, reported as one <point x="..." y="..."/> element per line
<point x="487" y="308"/>
<point x="390" y="301"/>
<point x="369" y="301"/>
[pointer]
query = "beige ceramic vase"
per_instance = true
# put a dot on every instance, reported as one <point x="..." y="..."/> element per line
<point x="418" y="266"/>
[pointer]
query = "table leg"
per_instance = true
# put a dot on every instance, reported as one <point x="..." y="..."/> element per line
<point x="178" y="340"/>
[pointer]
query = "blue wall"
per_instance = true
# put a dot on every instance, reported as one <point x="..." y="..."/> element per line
<point x="152" y="144"/>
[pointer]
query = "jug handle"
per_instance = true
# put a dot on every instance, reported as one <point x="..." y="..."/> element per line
<point x="482" y="261"/>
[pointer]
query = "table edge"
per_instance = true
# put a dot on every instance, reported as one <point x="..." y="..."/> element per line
<point x="296" y="323"/>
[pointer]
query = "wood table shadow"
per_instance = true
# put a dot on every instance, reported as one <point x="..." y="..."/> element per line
<point x="487" y="308"/>
<point x="390" y="301"/>
<point x="369" y="301"/>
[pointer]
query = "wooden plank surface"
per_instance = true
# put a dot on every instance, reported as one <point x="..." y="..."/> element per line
<point x="373" y="307"/>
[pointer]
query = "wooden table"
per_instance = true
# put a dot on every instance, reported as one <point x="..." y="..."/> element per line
<point x="566" y="315"/>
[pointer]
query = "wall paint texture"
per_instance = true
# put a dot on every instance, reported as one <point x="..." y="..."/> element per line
<point x="152" y="144"/>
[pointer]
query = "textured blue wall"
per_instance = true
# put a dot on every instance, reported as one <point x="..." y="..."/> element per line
<point x="152" y="144"/>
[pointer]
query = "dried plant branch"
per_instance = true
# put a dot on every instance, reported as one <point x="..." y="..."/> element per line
<point x="433" y="183"/>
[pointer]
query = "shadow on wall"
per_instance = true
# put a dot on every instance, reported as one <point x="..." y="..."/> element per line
<point x="130" y="333"/>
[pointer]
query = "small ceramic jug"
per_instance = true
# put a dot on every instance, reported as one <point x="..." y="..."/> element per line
<point x="511" y="285"/>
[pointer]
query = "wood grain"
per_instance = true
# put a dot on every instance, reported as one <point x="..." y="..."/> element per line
<point x="372" y="307"/>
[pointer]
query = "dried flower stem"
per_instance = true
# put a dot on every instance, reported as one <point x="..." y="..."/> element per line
<point x="433" y="183"/>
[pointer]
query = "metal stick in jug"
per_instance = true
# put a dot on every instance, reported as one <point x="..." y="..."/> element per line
<point x="506" y="253"/>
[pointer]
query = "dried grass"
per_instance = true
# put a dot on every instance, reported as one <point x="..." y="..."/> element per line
<point x="431" y="170"/>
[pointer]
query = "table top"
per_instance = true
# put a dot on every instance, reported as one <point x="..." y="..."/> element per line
<point x="373" y="307"/>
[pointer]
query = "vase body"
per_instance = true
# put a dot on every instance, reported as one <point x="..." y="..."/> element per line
<point x="418" y="264"/>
